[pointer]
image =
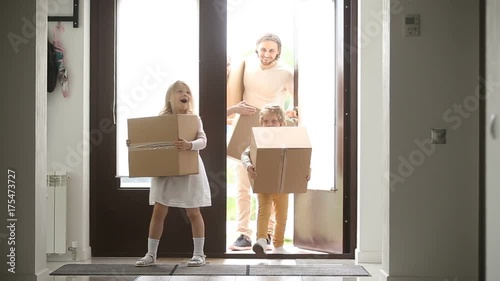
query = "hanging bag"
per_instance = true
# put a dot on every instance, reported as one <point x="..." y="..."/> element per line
<point x="52" y="69"/>
<point x="59" y="50"/>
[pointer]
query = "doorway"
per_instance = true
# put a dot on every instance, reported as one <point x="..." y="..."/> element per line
<point x="316" y="94"/>
<point x="120" y="214"/>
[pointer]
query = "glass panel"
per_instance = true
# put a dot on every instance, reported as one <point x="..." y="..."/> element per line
<point x="315" y="25"/>
<point x="307" y="32"/>
<point x="246" y="22"/>
<point x="157" y="44"/>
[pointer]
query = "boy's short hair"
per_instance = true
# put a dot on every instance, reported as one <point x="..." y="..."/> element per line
<point x="274" y="109"/>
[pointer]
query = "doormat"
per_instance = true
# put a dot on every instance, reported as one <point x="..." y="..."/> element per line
<point x="113" y="269"/>
<point x="211" y="270"/>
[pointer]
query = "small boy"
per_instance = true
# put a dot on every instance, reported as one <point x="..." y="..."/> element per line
<point x="270" y="116"/>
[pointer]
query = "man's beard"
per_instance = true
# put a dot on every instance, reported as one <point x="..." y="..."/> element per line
<point x="267" y="63"/>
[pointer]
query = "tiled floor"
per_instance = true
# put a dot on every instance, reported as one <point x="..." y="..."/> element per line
<point x="373" y="269"/>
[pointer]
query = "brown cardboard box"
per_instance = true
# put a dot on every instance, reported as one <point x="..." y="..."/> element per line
<point x="282" y="158"/>
<point x="150" y="149"/>
<point x="239" y="140"/>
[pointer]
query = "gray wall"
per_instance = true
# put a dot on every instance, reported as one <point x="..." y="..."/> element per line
<point x="23" y="139"/>
<point x="431" y="194"/>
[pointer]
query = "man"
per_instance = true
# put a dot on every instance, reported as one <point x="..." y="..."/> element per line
<point x="257" y="81"/>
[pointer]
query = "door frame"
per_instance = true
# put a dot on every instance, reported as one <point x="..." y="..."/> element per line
<point x="104" y="186"/>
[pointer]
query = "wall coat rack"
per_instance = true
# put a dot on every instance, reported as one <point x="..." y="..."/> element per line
<point x="73" y="18"/>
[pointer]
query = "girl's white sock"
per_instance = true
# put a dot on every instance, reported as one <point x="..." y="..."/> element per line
<point x="153" y="247"/>
<point x="199" y="243"/>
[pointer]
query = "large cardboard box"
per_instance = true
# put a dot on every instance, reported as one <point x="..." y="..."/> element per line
<point x="282" y="158"/>
<point x="150" y="146"/>
<point x="239" y="139"/>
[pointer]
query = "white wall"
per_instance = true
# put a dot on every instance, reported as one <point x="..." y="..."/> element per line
<point x="68" y="125"/>
<point x="492" y="182"/>
<point x="431" y="215"/>
<point x="370" y="172"/>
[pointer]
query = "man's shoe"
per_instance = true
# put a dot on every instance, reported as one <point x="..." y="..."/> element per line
<point x="260" y="247"/>
<point x="241" y="244"/>
<point x="269" y="241"/>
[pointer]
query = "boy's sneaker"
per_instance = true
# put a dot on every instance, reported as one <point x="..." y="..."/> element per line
<point x="241" y="244"/>
<point x="260" y="247"/>
<point x="280" y="250"/>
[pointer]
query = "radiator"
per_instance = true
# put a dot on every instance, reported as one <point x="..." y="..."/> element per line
<point x="56" y="211"/>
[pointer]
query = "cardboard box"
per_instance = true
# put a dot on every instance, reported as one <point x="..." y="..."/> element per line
<point x="239" y="140"/>
<point x="150" y="146"/>
<point x="282" y="158"/>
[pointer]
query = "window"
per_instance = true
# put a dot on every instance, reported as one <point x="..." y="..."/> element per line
<point x="157" y="44"/>
<point x="315" y="27"/>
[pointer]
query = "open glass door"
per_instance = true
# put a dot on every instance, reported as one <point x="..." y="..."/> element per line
<point x="318" y="214"/>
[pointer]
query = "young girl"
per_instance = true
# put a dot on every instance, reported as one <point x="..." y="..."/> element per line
<point x="190" y="192"/>
<point x="270" y="116"/>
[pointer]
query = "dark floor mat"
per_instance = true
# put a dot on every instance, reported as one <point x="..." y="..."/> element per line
<point x="212" y="270"/>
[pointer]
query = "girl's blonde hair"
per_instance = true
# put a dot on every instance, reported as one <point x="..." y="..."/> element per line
<point x="168" y="106"/>
<point x="273" y="109"/>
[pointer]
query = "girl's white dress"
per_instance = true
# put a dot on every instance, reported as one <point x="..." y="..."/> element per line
<point x="190" y="191"/>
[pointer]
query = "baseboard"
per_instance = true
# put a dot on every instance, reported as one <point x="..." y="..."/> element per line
<point x="383" y="275"/>
<point x="43" y="275"/>
<point x="86" y="254"/>
<point x="368" y="257"/>
<point x="82" y="255"/>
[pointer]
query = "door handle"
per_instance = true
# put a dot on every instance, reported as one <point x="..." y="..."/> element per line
<point x="493" y="130"/>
